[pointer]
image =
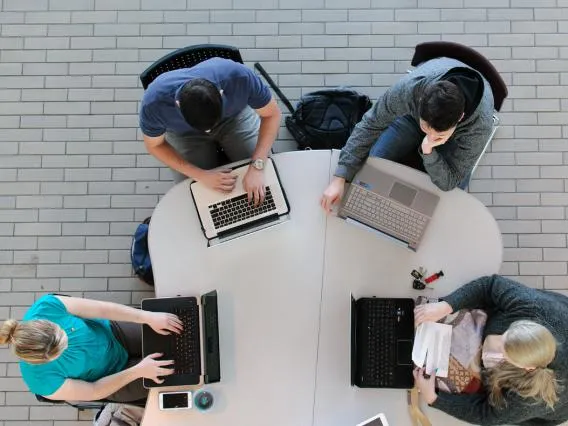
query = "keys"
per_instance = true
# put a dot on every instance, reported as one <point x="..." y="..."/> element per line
<point x="238" y="209"/>
<point x="186" y="347"/>
<point x="385" y="213"/>
<point x="381" y="335"/>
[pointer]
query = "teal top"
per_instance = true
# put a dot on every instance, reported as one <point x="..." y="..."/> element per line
<point x="92" y="352"/>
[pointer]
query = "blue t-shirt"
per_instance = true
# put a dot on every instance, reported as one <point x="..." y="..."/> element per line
<point x="92" y="353"/>
<point x="241" y="87"/>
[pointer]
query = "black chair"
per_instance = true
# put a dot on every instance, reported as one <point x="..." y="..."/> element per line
<point x="87" y="405"/>
<point x="437" y="49"/>
<point x="187" y="57"/>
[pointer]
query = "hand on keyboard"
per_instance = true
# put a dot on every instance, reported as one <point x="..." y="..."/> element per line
<point x="221" y="180"/>
<point x="253" y="184"/>
<point x="332" y="193"/>
<point x="150" y="368"/>
<point x="163" y="323"/>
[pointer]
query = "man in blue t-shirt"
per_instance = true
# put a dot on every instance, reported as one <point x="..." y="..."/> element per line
<point x="185" y="113"/>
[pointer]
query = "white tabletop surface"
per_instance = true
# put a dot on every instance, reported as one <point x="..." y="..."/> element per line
<point x="284" y="296"/>
<point x="462" y="240"/>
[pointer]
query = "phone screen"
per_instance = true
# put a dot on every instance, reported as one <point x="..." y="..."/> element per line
<point x="175" y="400"/>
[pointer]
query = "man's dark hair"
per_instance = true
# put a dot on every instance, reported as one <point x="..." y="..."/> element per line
<point x="442" y="105"/>
<point x="200" y="104"/>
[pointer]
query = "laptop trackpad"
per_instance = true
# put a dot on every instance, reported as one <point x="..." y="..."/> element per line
<point x="403" y="194"/>
<point x="404" y="352"/>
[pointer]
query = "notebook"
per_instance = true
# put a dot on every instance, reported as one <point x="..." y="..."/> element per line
<point x="382" y="336"/>
<point x="224" y="216"/>
<point x="195" y="352"/>
<point x="384" y="203"/>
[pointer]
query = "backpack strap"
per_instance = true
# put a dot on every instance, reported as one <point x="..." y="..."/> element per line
<point x="272" y="84"/>
<point x="416" y="415"/>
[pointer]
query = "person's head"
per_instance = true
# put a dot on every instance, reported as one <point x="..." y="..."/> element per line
<point x="528" y="349"/>
<point x="200" y="104"/>
<point x="441" y="108"/>
<point x="34" y="342"/>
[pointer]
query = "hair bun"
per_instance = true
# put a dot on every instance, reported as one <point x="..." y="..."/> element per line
<point x="7" y="331"/>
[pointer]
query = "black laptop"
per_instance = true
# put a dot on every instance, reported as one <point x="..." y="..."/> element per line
<point x="196" y="350"/>
<point x="382" y="336"/>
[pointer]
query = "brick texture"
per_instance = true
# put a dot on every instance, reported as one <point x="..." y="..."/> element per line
<point x="75" y="178"/>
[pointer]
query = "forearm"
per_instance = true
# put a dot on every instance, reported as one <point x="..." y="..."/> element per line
<point x="357" y="148"/>
<point x="267" y="134"/>
<point x="441" y="173"/>
<point x="366" y="133"/>
<point x="86" y="308"/>
<point x="106" y="386"/>
<point x="477" y="294"/>
<point x="476" y="409"/>
<point x="170" y="157"/>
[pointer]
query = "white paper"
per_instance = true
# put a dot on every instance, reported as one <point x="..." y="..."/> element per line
<point x="431" y="348"/>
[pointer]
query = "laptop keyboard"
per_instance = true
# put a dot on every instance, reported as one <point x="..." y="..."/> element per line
<point x="238" y="209"/>
<point x="383" y="213"/>
<point x="186" y="346"/>
<point x="380" y="368"/>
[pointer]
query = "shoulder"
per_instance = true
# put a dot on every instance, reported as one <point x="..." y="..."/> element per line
<point x="165" y="85"/>
<point x="41" y="379"/>
<point x="46" y="307"/>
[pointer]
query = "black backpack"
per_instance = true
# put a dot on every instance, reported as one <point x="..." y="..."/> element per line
<point x="322" y="119"/>
<point x="140" y="255"/>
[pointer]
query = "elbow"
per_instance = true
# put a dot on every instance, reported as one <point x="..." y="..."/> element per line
<point x="445" y="184"/>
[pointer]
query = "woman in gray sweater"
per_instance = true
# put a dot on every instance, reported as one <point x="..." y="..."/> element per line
<point x="524" y="347"/>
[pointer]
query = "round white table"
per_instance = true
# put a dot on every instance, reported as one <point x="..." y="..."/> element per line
<point x="284" y="296"/>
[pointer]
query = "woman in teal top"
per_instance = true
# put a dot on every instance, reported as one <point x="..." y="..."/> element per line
<point x="78" y="349"/>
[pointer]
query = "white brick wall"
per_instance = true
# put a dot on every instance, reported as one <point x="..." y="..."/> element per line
<point x="75" y="178"/>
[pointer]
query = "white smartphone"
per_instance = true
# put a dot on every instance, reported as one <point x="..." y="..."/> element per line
<point x="378" y="420"/>
<point x="175" y="400"/>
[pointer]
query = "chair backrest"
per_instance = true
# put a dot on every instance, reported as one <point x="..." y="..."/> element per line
<point x="187" y="57"/>
<point x="87" y="405"/>
<point x="437" y="49"/>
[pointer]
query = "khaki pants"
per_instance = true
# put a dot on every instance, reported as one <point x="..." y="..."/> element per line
<point x="237" y="136"/>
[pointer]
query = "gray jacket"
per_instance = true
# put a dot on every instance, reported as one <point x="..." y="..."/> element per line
<point x="505" y="302"/>
<point x="448" y="164"/>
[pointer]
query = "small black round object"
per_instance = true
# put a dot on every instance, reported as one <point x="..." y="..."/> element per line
<point x="203" y="400"/>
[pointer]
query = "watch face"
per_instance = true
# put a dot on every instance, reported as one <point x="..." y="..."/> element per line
<point x="258" y="164"/>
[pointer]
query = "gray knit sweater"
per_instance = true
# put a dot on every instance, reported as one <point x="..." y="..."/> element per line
<point x="448" y="164"/>
<point x="506" y="301"/>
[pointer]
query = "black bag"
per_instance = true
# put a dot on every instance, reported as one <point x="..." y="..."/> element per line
<point x="140" y="255"/>
<point x="322" y="119"/>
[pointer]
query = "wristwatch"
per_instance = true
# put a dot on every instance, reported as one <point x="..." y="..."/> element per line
<point x="258" y="164"/>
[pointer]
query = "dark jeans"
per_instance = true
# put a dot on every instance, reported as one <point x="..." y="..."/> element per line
<point x="129" y="336"/>
<point x="400" y="143"/>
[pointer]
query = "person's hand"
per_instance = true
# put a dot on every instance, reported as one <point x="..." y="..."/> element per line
<point x="223" y="180"/>
<point x="426" y="386"/>
<point x="428" y="146"/>
<point x="431" y="312"/>
<point x="253" y="184"/>
<point x="332" y="193"/>
<point x="164" y="323"/>
<point x="150" y="368"/>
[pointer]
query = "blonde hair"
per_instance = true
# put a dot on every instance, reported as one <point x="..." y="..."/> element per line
<point x="529" y="349"/>
<point x="35" y="342"/>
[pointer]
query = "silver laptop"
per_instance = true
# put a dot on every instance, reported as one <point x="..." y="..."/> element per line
<point x="227" y="216"/>
<point x="386" y="204"/>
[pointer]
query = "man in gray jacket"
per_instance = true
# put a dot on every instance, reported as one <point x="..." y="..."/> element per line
<point x="441" y="111"/>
